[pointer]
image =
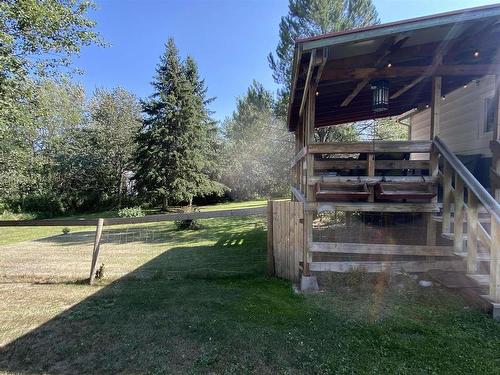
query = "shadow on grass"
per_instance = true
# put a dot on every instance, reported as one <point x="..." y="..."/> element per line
<point x="162" y="317"/>
<point x="211" y="309"/>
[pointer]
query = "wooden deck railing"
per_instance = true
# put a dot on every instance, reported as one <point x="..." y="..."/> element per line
<point x="467" y="195"/>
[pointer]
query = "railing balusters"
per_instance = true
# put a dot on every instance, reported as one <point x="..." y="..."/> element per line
<point x="472" y="222"/>
<point x="458" y="239"/>
<point x="495" y="260"/>
<point x="447" y="176"/>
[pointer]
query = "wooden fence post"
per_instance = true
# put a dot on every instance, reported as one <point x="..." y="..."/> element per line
<point x="270" y="250"/>
<point x="95" y="253"/>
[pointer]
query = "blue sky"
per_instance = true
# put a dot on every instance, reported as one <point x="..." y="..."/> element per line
<point x="230" y="40"/>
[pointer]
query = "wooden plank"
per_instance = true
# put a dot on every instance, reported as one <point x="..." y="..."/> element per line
<point x="278" y="237"/>
<point x="431" y="230"/>
<point x="372" y="207"/>
<point x="297" y="194"/>
<point x="307" y="232"/>
<point x="48" y="223"/>
<point x="270" y="250"/>
<point x="495" y="260"/>
<point x="483" y="236"/>
<point x="341" y="74"/>
<point x="470" y="181"/>
<point x="306" y="92"/>
<point x="435" y="106"/>
<point x="408" y="87"/>
<point x="472" y="224"/>
<point x="458" y="227"/>
<point x="367" y="147"/>
<point x="380" y="249"/>
<point x="388" y="266"/>
<point x="324" y="59"/>
<point x="401" y="164"/>
<point x="299" y="238"/>
<point x="325" y="164"/>
<point x="291" y="240"/>
<point x="447" y="177"/>
<point x="299" y="155"/>
<point x="97" y="249"/>
<point x="382" y="52"/>
<point x="371" y="180"/>
<point x="360" y="86"/>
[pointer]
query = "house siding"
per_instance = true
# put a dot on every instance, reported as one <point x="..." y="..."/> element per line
<point x="461" y="121"/>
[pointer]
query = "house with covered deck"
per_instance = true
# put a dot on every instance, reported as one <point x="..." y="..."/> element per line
<point x="439" y="75"/>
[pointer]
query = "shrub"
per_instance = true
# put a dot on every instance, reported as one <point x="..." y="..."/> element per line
<point x="66" y="230"/>
<point x="131" y="212"/>
<point x="46" y="204"/>
<point x="187" y="224"/>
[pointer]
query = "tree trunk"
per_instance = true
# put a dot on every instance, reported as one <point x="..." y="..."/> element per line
<point x="164" y="204"/>
<point x="120" y="190"/>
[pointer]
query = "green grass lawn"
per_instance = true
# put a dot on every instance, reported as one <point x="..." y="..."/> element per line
<point x="10" y="235"/>
<point x="199" y="302"/>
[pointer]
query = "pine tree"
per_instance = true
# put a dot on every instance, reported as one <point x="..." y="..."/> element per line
<point x="174" y="143"/>
<point x="312" y="17"/>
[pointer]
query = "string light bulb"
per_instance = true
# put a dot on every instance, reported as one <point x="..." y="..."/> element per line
<point x="389" y="64"/>
<point x="476" y="53"/>
<point x="317" y="93"/>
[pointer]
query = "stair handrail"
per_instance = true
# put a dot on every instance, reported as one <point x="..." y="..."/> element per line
<point x="489" y="203"/>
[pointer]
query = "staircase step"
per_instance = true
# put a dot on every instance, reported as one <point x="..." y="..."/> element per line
<point x="480" y="257"/>
<point x="481" y="279"/>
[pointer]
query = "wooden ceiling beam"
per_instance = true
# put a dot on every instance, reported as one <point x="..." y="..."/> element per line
<point x="382" y="52"/>
<point x="411" y="71"/>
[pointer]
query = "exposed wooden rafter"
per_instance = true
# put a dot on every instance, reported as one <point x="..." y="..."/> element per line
<point x="437" y="61"/>
<point x="450" y="48"/>
<point x="385" y="49"/>
<point x="324" y="58"/>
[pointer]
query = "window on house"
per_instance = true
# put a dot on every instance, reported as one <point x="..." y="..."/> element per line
<point x="489" y="114"/>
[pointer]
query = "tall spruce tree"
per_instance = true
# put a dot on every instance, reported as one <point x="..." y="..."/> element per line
<point x="308" y="18"/>
<point x="175" y="143"/>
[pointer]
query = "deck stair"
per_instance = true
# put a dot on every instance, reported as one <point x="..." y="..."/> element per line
<point x="470" y="217"/>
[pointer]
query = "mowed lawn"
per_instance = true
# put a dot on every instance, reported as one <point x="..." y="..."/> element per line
<point x="199" y="302"/>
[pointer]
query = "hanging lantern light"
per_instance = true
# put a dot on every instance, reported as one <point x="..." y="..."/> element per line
<point x="380" y="95"/>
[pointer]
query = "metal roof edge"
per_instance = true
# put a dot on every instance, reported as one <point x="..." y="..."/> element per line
<point x="374" y="31"/>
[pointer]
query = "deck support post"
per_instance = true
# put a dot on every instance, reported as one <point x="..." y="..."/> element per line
<point x="495" y="262"/>
<point x="434" y="162"/>
<point x="309" y="282"/>
<point x="495" y="149"/>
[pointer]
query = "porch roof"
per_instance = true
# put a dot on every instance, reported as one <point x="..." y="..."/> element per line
<point x="460" y="46"/>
